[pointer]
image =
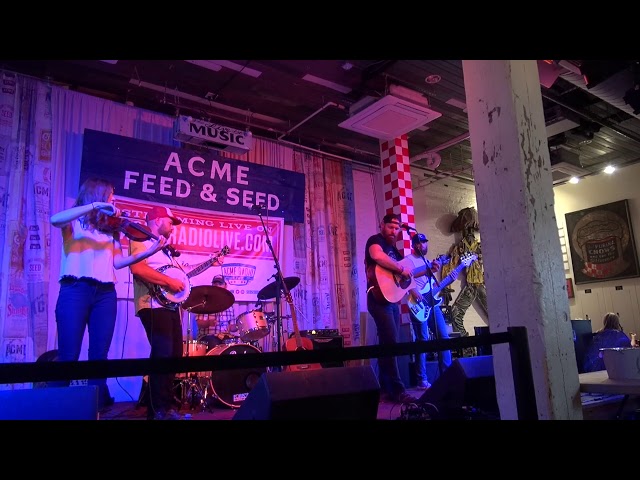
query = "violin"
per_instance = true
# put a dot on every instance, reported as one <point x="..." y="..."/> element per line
<point x="136" y="232"/>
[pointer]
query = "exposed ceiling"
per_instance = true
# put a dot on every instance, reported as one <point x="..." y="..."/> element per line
<point x="304" y="102"/>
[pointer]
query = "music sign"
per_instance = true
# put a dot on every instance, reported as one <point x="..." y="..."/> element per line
<point x="177" y="176"/>
<point x="247" y="267"/>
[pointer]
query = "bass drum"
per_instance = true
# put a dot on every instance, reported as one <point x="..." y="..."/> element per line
<point x="232" y="386"/>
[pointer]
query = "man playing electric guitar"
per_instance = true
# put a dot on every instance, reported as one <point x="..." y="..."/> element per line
<point x="435" y="320"/>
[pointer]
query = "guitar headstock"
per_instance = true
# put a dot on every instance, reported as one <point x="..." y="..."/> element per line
<point x="468" y="258"/>
<point x="225" y="250"/>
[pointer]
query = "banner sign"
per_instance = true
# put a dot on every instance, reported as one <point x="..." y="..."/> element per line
<point x="177" y="176"/>
<point x="198" y="132"/>
<point x="247" y="267"/>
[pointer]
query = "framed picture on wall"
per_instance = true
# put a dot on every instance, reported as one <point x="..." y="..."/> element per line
<point x="601" y="243"/>
<point x="570" y="292"/>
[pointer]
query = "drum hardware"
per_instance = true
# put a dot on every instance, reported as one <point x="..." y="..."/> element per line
<point x="272" y="290"/>
<point x="206" y="299"/>
<point x="279" y="288"/>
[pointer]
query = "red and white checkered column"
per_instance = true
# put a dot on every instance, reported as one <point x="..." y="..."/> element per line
<point x="398" y="192"/>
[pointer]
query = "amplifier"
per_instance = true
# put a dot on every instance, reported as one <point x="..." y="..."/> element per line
<point x="324" y="339"/>
<point x="326" y="332"/>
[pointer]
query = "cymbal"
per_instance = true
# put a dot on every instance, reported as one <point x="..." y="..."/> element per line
<point x="208" y="299"/>
<point x="270" y="291"/>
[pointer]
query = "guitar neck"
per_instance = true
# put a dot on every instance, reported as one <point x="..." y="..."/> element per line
<point x="294" y="320"/>
<point x="451" y="277"/>
<point x="202" y="267"/>
<point x="446" y="281"/>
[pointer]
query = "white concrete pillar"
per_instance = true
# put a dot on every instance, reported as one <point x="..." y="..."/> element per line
<point x="524" y="272"/>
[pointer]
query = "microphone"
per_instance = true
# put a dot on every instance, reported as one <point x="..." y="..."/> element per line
<point x="170" y="250"/>
<point x="257" y="207"/>
<point x="407" y="227"/>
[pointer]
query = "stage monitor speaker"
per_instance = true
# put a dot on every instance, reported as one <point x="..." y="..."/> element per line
<point x="468" y="385"/>
<point x="324" y="340"/>
<point x="50" y="403"/>
<point x="344" y="393"/>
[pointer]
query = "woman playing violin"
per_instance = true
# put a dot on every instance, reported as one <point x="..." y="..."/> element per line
<point x="91" y="252"/>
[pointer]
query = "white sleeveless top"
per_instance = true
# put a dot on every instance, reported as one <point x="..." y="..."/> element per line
<point x="87" y="253"/>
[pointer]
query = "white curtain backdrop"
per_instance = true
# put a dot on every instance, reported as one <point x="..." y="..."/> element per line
<point x="45" y="133"/>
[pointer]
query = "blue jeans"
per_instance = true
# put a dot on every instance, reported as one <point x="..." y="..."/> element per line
<point x="86" y="304"/>
<point x="387" y="318"/>
<point x="421" y="332"/>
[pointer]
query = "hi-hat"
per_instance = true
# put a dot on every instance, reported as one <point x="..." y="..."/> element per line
<point x="206" y="299"/>
<point x="271" y="290"/>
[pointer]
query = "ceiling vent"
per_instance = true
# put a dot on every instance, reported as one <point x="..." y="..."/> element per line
<point x="395" y="114"/>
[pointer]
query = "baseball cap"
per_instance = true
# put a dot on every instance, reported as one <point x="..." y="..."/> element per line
<point x="217" y="279"/>
<point x="159" y="212"/>
<point x="419" y="237"/>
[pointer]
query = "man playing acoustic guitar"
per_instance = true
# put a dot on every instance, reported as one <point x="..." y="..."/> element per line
<point x="381" y="251"/>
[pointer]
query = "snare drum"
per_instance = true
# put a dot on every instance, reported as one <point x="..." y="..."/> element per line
<point x="252" y="326"/>
<point x="193" y="348"/>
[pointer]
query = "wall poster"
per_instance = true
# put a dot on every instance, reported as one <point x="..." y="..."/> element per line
<point x="602" y="244"/>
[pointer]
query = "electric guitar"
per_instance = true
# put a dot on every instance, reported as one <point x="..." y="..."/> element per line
<point x="297" y="342"/>
<point x="392" y="287"/>
<point x="173" y="299"/>
<point x="421" y="308"/>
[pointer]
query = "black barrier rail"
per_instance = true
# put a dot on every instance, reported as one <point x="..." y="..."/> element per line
<point x="516" y="337"/>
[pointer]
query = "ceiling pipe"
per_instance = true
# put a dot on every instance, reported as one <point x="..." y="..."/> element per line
<point x="368" y="166"/>
<point x="327" y="105"/>
<point x="612" y="90"/>
<point x="592" y="118"/>
<point x="442" y="146"/>
<point x="204" y="101"/>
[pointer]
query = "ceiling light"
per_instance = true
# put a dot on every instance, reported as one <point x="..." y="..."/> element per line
<point x="326" y="83"/>
<point x="431" y="79"/>
<point x="206" y="64"/>
<point x="574" y="180"/>
<point x="238" y="68"/>
<point x="609" y="169"/>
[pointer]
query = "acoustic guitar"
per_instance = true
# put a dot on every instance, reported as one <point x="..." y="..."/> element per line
<point x="298" y="342"/>
<point x="392" y="287"/>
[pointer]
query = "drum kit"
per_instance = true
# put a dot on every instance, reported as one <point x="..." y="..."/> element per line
<point x="229" y="387"/>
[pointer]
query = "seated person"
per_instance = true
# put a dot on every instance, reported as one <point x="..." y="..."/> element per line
<point x="611" y="335"/>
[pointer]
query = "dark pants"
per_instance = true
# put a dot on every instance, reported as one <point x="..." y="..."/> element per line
<point x="164" y="332"/>
<point x="469" y="293"/>
<point x="86" y="304"/>
<point x="387" y="318"/>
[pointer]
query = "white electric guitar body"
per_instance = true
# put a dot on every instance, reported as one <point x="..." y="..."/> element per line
<point x="173" y="299"/>
<point x="421" y="308"/>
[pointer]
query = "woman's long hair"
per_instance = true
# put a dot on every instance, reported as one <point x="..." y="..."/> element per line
<point x="611" y="321"/>
<point x="94" y="190"/>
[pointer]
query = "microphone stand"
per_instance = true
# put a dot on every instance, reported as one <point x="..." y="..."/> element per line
<point x="280" y="287"/>
<point x="432" y="311"/>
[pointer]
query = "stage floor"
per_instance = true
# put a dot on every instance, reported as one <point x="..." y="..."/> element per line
<point x="218" y="411"/>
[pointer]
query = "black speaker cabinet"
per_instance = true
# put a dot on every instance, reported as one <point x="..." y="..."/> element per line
<point x="467" y="385"/>
<point x="50" y="403"/>
<point x="345" y="393"/>
<point x="324" y="339"/>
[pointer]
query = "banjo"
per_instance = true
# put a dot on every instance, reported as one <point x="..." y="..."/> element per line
<point x="173" y="299"/>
